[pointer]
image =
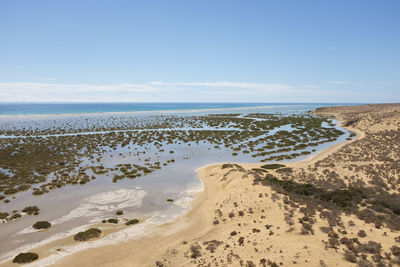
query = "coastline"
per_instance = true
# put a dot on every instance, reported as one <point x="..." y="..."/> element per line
<point x="191" y="225"/>
<point x="150" y="112"/>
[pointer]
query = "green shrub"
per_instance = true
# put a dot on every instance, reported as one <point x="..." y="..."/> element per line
<point x="25" y="257"/>
<point x="134" y="221"/>
<point x="41" y="225"/>
<point x="31" y="210"/>
<point x="88" y="234"/>
<point x="3" y="215"/>
<point x="15" y="216"/>
<point x="272" y="166"/>
<point x="111" y="220"/>
<point x="119" y="212"/>
<point x="170" y="200"/>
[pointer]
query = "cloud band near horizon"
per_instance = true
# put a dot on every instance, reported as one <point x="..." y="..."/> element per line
<point x="156" y="91"/>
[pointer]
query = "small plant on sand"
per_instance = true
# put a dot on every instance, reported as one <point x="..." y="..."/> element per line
<point x="31" y="210"/>
<point x="272" y="166"/>
<point x="88" y="234"/>
<point x="350" y="256"/>
<point x="25" y="257"/>
<point x="15" y="216"/>
<point x="40" y="225"/>
<point x="112" y="220"/>
<point x="170" y="200"/>
<point x="3" y="215"/>
<point x="130" y="222"/>
<point x="119" y="212"/>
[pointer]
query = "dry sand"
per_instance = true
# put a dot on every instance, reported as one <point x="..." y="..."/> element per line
<point x="235" y="222"/>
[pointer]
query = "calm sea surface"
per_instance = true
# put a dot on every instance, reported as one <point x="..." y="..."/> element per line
<point x="78" y="108"/>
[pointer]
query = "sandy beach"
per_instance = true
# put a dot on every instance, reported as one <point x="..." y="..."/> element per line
<point x="242" y="219"/>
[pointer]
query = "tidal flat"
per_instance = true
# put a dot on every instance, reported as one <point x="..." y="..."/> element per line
<point x="73" y="171"/>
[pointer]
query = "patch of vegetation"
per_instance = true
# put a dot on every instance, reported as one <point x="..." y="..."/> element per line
<point x="343" y="199"/>
<point x="88" y="234"/>
<point x="112" y="220"/>
<point x="119" y="212"/>
<point x="130" y="222"/>
<point x="26" y="257"/>
<point x="31" y="210"/>
<point x="40" y="225"/>
<point x="15" y="216"/>
<point x="272" y="166"/>
<point x="170" y="200"/>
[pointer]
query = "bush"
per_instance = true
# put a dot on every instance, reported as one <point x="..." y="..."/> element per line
<point x="272" y="166"/>
<point x="112" y="220"/>
<point x="395" y="250"/>
<point x="130" y="222"/>
<point x="170" y="200"/>
<point x="41" y="225"/>
<point x="350" y="256"/>
<point x="15" y="216"/>
<point x="362" y="233"/>
<point x="25" y="257"/>
<point x="3" y="215"/>
<point x="31" y="210"/>
<point x="88" y="234"/>
<point x="119" y="212"/>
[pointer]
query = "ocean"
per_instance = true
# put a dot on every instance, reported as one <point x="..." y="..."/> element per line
<point x="9" y="109"/>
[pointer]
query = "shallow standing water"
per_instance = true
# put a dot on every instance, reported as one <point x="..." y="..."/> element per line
<point x="75" y="205"/>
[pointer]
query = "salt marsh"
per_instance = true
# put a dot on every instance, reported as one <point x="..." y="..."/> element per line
<point x="81" y="169"/>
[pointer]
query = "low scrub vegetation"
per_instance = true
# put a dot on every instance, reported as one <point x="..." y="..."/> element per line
<point x="31" y="210"/>
<point x="272" y="166"/>
<point x="25" y="257"/>
<point x="88" y="234"/>
<point x="40" y="225"/>
<point x="130" y="222"/>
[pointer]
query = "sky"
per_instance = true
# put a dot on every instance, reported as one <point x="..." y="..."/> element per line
<point x="200" y="51"/>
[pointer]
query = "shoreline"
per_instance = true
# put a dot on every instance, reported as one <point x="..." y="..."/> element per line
<point x="146" y="111"/>
<point x="188" y="225"/>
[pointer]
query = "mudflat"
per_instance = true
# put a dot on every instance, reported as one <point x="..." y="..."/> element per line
<point x="338" y="208"/>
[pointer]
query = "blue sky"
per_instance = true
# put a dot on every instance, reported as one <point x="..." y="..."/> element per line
<point x="200" y="51"/>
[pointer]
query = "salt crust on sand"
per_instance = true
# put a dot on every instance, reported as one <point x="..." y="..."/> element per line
<point x="96" y="205"/>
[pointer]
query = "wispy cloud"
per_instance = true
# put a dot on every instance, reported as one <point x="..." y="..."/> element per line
<point x="339" y="82"/>
<point x="158" y="91"/>
<point x="46" y="79"/>
<point x="224" y="84"/>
